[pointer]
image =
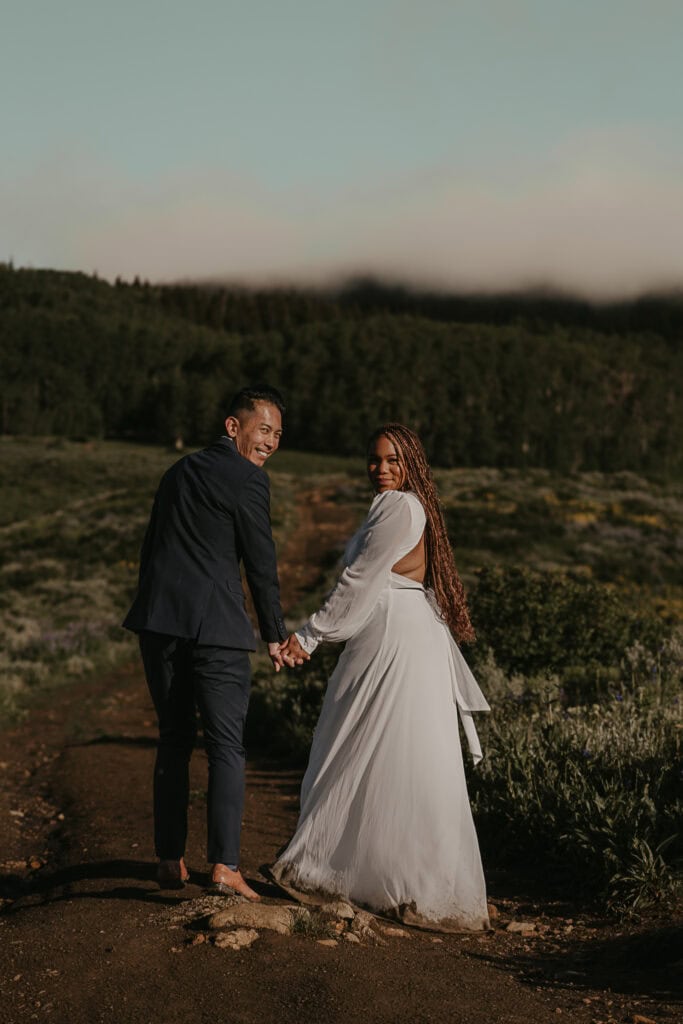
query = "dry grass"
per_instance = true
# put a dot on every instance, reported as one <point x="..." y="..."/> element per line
<point x="71" y="523"/>
<point x="73" y="515"/>
<point x="616" y="528"/>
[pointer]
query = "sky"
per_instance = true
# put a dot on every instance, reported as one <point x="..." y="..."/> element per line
<point x="448" y="143"/>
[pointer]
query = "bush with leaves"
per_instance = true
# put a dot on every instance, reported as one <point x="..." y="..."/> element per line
<point x="284" y="707"/>
<point x="592" y="792"/>
<point x="535" y="622"/>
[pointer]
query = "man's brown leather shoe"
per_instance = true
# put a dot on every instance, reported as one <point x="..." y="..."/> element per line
<point x="172" y="874"/>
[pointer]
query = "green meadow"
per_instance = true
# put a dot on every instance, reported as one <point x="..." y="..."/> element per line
<point x="576" y="585"/>
<point x="72" y="517"/>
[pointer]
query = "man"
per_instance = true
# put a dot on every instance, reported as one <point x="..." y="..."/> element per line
<point x="211" y="511"/>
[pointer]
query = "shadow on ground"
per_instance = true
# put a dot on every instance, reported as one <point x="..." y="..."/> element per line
<point x="649" y="964"/>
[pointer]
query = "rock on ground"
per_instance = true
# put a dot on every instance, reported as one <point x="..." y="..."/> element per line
<point x="256" y="915"/>
<point x="521" y="927"/>
<point x="339" y="908"/>
<point x="395" y="933"/>
<point x="240" y="938"/>
<point x="362" y="924"/>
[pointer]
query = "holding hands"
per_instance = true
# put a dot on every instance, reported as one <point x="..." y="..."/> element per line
<point x="289" y="653"/>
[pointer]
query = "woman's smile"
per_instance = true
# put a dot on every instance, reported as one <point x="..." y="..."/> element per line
<point x="385" y="469"/>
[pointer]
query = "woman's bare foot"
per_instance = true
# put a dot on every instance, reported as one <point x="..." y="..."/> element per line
<point x="225" y="880"/>
<point x="172" y="874"/>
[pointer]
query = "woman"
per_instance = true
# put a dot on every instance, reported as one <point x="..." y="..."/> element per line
<point x="385" y="819"/>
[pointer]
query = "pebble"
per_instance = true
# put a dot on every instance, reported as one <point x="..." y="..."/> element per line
<point x="398" y="933"/>
<point x="521" y="927"/>
<point x="330" y="943"/>
<point x="362" y="923"/>
<point x="340" y="909"/>
<point x="350" y="937"/>
<point x="240" y="938"/>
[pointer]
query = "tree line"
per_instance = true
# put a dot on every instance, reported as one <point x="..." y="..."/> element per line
<point x="501" y="381"/>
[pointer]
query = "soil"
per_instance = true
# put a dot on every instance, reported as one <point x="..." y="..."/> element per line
<point x="86" y="935"/>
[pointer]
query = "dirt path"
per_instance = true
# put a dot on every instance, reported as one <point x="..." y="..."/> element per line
<point x="87" y="936"/>
<point x="323" y="526"/>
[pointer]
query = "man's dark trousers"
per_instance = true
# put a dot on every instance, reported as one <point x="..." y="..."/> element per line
<point x="181" y="675"/>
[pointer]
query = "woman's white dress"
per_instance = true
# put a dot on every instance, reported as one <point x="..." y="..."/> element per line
<point x="385" y="817"/>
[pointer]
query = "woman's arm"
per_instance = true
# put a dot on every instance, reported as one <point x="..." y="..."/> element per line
<point x="394" y="525"/>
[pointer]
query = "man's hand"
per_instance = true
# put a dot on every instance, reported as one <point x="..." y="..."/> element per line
<point x="275" y="652"/>
<point x="293" y="653"/>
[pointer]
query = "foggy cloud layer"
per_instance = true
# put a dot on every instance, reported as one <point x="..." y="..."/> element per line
<point x="599" y="224"/>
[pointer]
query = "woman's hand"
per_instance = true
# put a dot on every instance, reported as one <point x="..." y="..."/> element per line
<point x="293" y="653"/>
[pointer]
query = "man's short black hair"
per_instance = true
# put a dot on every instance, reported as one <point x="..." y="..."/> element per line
<point x="246" y="399"/>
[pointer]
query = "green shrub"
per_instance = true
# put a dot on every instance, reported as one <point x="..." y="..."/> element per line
<point x="284" y="707"/>
<point x="542" y="622"/>
<point x="593" y="792"/>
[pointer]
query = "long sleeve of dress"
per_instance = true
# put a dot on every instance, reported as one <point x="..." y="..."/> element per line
<point x="393" y="527"/>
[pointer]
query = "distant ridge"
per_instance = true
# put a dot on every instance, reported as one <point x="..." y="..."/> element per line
<point x="526" y="379"/>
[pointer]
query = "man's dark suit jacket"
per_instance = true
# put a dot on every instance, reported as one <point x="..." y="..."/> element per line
<point x="211" y="511"/>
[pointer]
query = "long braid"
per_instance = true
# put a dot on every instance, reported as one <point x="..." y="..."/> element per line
<point x="441" y="575"/>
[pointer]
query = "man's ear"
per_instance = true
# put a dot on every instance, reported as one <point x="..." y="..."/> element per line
<point x="232" y="426"/>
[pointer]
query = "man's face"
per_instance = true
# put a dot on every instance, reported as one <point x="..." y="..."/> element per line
<point x="257" y="433"/>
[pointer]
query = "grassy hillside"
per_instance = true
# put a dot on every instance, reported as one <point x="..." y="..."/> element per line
<point x="72" y="517"/>
<point x="73" y="514"/>
<point x="586" y="779"/>
<point x="532" y="383"/>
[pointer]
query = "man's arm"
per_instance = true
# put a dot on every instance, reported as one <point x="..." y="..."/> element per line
<point x="254" y="533"/>
<point x="146" y="547"/>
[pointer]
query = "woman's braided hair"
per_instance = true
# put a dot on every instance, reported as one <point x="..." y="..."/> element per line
<point x="442" y="575"/>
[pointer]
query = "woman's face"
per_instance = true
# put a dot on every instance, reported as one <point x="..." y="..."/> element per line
<point x="385" y="466"/>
